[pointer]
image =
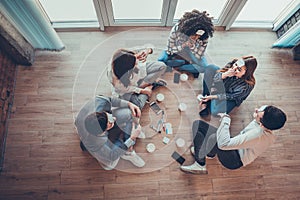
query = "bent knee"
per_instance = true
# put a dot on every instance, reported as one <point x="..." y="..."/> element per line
<point x="215" y="112"/>
<point x="162" y="65"/>
<point x="212" y="67"/>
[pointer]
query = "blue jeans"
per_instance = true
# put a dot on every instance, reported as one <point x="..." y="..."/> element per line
<point x="205" y="143"/>
<point x="221" y="106"/>
<point x="188" y="62"/>
<point x="209" y="73"/>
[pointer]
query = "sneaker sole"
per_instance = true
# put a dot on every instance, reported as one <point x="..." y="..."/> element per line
<point x="140" y="165"/>
<point x="210" y="158"/>
<point x="194" y="172"/>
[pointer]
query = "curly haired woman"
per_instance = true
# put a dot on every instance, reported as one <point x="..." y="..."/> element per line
<point x="187" y="43"/>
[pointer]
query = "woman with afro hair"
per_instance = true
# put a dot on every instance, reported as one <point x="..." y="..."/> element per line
<point x="187" y="43"/>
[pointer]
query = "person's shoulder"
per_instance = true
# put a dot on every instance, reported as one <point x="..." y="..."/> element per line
<point x="175" y="27"/>
<point x="248" y="85"/>
<point x="100" y="97"/>
<point x="254" y="127"/>
<point x="269" y="136"/>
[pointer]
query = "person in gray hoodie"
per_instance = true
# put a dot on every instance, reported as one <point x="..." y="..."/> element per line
<point x="102" y="124"/>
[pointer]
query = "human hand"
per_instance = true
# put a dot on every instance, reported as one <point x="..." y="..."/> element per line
<point x="142" y="56"/>
<point x="230" y="72"/>
<point x="189" y="43"/>
<point x="149" y="51"/>
<point x="136" y="130"/>
<point x="208" y="98"/>
<point x="147" y="90"/>
<point x="136" y="112"/>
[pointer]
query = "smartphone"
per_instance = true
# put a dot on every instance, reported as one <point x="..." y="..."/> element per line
<point x="176" y="156"/>
<point x="176" y="77"/>
<point x="155" y="107"/>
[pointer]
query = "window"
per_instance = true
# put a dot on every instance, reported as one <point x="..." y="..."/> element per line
<point x="258" y="10"/>
<point x="102" y="13"/>
<point x="137" y="9"/>
<point x="69" y="10"/>
<point x="213" y="7"/>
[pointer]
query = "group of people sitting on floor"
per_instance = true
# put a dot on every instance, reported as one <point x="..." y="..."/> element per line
<point x="109" y="126"/>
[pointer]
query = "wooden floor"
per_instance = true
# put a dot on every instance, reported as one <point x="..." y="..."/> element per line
<point x="43" y="159"/>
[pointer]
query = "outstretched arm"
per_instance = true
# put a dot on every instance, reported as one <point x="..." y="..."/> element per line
<point x="240" y="141"/>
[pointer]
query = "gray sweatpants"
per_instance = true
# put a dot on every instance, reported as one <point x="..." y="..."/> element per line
<point x="154" y="71"/>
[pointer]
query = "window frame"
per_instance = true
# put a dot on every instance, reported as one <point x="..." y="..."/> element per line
<point x="229" y="13"/>
<point x="135" y="22"/>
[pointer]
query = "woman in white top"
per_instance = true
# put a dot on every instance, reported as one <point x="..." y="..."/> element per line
<point x="132" y="77"/>
<point x="238" y="151"/>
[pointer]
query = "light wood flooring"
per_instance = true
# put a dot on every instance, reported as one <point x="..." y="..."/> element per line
<point x="43" y="159"/>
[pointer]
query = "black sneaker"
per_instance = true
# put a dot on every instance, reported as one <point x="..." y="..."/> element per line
<point x="159" y="83"/>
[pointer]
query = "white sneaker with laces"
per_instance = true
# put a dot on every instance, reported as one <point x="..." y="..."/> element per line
<point x="134" y="159"/>
<point x="195" y="168"/>
<point x="192" y="149"/>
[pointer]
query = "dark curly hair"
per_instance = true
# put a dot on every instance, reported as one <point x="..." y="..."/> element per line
<point x="195" y="20"/>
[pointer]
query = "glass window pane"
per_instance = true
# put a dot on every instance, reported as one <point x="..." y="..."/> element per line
<point x="137" y="9"/>
<point x="213" y="7"/>
<point x="69" y="10"/>
<point x="258" y="10"/>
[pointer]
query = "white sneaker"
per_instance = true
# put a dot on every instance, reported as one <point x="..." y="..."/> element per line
<point x="195" y="168"/>
<point x="134" y="159"/>
<point x="142" y="135"/>
<point x="111" y="165"/>
<point x="192" y="149"/>
<point x="107" y="168"/>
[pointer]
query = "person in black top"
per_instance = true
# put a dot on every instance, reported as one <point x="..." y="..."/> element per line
<point x="230" y="86"/>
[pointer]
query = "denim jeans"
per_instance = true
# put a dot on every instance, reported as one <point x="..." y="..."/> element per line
<point x="209" y="73"/>
<point x="205" y="143"/>
<point x="188" y="62"/>
<point x="221" y="106"/>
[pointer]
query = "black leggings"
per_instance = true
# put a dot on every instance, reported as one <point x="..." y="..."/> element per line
<point x="205" y="143"/>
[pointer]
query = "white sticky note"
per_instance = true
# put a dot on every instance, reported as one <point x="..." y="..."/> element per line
<point x="166" y="140"/>
<point x="169" y="129"/>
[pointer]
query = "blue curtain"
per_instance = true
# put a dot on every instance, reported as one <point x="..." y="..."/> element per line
<point x="29" y="19"/>
<point x="290" y="38"/>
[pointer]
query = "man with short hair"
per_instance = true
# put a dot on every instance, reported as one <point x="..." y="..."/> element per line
<point x="102" y="124"/>
<point x="237" y="151"/>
